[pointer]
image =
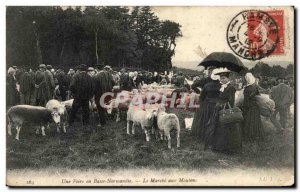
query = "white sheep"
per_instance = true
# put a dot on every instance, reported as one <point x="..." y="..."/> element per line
<point x="56" y="106"/>
<point x="138" y="116"/>
<point x="35" y="115"/>
<point x="167" y="122"/>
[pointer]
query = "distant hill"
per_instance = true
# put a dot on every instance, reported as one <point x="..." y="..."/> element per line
<point x="188" y="65"/>
<point x="187" y="71"/>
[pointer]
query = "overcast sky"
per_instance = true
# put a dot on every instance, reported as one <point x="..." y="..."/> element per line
<point x="206" y="27"/>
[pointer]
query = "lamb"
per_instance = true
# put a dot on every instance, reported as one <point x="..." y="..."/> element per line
<point x="138" y="116"/>
<point x="166" y="122"/>
<point x="35" y="115"/>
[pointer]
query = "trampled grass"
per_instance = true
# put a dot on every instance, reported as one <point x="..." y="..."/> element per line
<point x="111" y="148"/>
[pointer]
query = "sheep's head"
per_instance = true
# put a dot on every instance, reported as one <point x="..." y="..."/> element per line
<point x="56" y="116"/>
<point x="109" y="107"/>
<point x="150" y="114"/>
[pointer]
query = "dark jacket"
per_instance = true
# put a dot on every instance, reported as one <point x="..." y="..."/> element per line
<point x="82" y="86"/>
<point x="228" y="95"/>
<point x="200" y="83"/>
<point x="62" y="80"/>
<point x="103" y="82"/>
<point x="26" y="83"/>
<point x="40" y="81"/>
<point x="124" y="82"/>
<point x="250" y="92"/>
<point x="282" y="95"/>
<point x="211" y="91"/>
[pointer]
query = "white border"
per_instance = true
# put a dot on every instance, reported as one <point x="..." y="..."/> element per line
<point x="5" y="3"/>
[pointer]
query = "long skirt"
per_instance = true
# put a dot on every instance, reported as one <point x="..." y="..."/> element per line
<point x="223" y="137"/>
<point x="201" y="119"/>
<point x="252" y="128"/>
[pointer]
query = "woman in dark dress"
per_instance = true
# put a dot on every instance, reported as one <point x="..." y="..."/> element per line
<point x="226" y="137"/>
<point x="208" y="99"/>
<point x="252" y="128"/>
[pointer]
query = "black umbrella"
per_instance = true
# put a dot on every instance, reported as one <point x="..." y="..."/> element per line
<point x="223" y="59"/>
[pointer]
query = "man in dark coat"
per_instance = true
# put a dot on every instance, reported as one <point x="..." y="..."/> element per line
<point x="82" y="89"/>
<point x="63" y="84"/>
<point x="125" y="81"/>
<point x="103" y="83"/>
<point x="26" y="87"/>
<point x="283" y="97"/>
<point x="40" y="86"/>
<point x="50" y="84"/>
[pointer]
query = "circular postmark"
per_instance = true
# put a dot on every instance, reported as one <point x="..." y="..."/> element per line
<point x="252" y="34"/>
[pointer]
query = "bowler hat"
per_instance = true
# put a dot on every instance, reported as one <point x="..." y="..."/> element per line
<point x="82" y="67"/>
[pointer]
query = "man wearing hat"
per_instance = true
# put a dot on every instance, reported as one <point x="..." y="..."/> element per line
<point x="82" y="89"/>
<point x="91" y="71"/>
<point x="283" y="97"/>
<point x="40" y="85"/>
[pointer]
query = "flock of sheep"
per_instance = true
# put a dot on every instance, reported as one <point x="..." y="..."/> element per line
<point x="152" y="118"/>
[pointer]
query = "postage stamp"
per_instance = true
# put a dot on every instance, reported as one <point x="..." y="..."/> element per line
<point x="255" y="34"/>
<point x="278" y="16"/>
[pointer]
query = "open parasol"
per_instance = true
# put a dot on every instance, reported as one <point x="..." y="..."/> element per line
<point x="223" y="59"/>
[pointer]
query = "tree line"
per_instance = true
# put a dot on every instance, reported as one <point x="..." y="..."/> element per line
<point x="264" y="69"/>
<point x="93" y="35"/>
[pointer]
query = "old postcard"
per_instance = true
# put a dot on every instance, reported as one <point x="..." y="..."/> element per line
<point x="150" y="96"/>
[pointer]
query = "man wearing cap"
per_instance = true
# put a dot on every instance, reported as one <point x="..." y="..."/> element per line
<point x="82" y="89"/>
<point x="283" y="97"/>
<point x="40" y="86"/>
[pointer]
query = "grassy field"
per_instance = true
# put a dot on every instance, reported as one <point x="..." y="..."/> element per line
<point x="111" y="148"/>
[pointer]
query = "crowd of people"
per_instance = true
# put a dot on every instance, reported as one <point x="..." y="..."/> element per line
<point x="217" y="91"/>
<point x="25" y="86"/>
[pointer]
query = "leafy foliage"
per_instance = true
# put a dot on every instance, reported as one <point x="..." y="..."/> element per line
<point x="68" y="36"/>
<point x="263" y="69"/>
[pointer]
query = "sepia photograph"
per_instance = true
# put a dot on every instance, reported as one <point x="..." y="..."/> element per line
<point x="150" y="96"/>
